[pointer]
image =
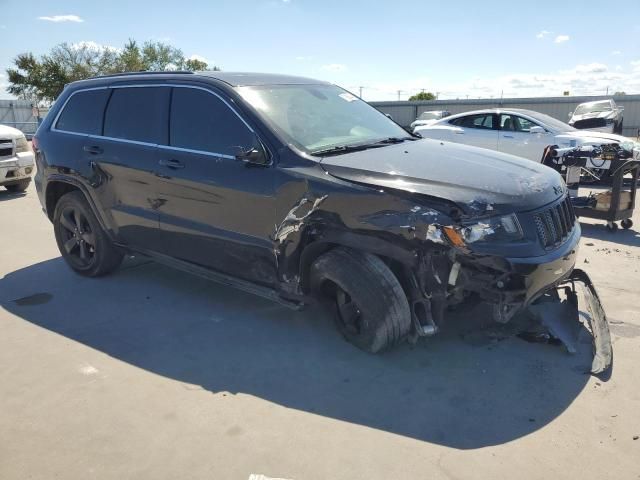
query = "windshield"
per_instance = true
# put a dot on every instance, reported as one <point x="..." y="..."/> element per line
<point x="592" y="108"/>
<point x="550" y="122"/>
<point x="318" y="117"/>
<point x="429" y="116"/>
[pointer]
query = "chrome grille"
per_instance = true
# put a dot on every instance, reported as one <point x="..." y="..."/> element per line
<point x="555" y="224"/>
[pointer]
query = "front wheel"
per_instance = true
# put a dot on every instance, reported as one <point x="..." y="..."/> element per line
<point x="83" y="244"/>
<point x="372" y="310"/>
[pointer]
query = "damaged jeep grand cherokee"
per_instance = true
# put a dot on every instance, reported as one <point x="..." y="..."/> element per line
<point x="293" y="188"/>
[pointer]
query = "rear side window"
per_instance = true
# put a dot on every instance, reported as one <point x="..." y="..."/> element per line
<point x="83" y="112"/>
<point x="138" y="113"/>
<point x="201" y="121"/>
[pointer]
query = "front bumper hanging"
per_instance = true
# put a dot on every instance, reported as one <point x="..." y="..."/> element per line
<point x="566" y="317"/>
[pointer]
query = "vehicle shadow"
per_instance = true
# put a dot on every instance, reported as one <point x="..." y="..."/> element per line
<point x="599" y="231"/>
<point x="7" y="195"/>
<point x="460" y="392"/>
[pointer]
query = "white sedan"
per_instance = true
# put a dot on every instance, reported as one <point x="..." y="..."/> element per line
<point x="16" y="160"/>
<point x="524" y="133"/>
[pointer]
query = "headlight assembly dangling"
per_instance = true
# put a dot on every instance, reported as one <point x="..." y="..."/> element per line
<point x="503" y="228"/>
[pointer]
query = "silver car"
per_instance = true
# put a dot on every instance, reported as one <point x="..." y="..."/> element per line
<point x="600" y="116"/>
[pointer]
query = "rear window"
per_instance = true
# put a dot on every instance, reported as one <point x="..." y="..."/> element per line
<point x="83" y="112"/>
<point x="139" y="114"/>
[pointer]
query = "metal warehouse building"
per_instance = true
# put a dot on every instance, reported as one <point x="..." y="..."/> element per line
<point x="405" y="112"/>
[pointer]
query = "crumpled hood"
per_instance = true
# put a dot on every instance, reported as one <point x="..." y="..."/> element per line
<point x="480" y="181"/>
<point x="584" y="116"/>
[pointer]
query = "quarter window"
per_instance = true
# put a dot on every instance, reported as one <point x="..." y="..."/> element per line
<point x="138" y="113"/>
<point x="201" y="121"/>
<point x="83" y="112"/>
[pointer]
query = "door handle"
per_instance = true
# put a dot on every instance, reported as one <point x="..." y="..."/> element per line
<point x="507" y="136"/>
<point x="93" y="149"/>
<point x="458" y="132"/>
<point x="171" y="163"/>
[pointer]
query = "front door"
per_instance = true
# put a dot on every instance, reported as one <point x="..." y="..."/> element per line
<point x="216" y="211"/>
<point x="516" y="137"/>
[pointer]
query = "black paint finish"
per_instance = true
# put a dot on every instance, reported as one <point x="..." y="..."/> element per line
<point x="266" y="223"/>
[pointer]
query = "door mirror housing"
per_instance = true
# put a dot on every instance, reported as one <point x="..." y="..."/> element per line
<point x="570" y="114"/>
<point x="537" y="129"/>
<point x="253" y="155"/>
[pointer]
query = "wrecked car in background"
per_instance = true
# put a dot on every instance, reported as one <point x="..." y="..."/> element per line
<point x="294" y="189"/>
<point x="429" y="117"/>
<point x="599" y="116"/>
<point x="16" y="160"/>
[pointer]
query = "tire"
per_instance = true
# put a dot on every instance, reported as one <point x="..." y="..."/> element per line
<point x="372" y="310"/>
<point x="83" y="244"/>
<point x="619" y="128"/>
<point x="18" y="187"/>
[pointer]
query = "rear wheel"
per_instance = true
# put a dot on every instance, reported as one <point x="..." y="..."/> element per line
<point x="19" y="186"/>
<point x="372" y="310"/>
<point x="82" y="242"/>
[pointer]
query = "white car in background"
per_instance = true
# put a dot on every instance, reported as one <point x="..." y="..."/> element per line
<point x="16" y="160"/>
<point x="598" y="116"/>
<point x="524" y="133"/>
<point x="429" y="117"/>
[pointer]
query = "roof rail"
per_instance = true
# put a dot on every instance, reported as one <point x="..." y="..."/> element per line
<point x="144" y="72"/>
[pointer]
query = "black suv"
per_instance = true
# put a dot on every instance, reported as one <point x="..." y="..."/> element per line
<point x="293" y="188"/>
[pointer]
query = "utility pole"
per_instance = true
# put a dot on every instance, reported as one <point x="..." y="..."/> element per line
<point x="399" y="92"/>
<point x="607" y="90"/>
<point x="360" y="91"/>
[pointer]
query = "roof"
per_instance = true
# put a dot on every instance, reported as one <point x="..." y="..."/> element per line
<point x="238" y="79"/>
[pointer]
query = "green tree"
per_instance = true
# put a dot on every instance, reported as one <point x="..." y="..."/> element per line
<point x="42" y="79"/>
<point x="422" y="96"/>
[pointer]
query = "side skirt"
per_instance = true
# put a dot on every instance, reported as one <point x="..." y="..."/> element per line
<point x="224" y="279"/>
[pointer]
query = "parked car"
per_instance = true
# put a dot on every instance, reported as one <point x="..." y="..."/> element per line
<point x="16" y="160"/>
<point x="293" y="188"/>
<point x="600" y="116"/>
<point x="427" y="118"/>
<point x="524" y="133"/>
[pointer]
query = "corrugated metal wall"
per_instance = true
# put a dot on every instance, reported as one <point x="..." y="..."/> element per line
<point x="405" y="112"/>
<point x="19" y="114"/>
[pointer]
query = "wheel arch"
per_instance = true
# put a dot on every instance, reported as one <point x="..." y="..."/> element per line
<point x="396" y="257"/>
<point x="58" y="186"/>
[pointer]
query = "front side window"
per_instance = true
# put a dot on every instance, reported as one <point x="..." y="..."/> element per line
<point x="319" y="117"/>
<point x="201" y="121"/>
<point x="83" y="112"/>
<point x="515" y="123"/>
<point x="138" y="113"/>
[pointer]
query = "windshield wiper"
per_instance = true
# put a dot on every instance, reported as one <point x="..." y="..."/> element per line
<point x="391" y="140"/>
<point x="339" y="149"/>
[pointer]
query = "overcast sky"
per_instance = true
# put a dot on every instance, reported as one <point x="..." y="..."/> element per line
<point x="456" y="48"/>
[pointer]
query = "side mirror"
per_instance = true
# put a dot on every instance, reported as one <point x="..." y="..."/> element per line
<point x="254" y="156"/>
<point x="620" y="108"/>
<point x="570" y="114"/>
<point x="388" y="116"/>
<point x="537" y="129"/>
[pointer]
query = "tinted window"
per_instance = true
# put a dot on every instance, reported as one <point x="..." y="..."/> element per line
<point x="83" y="112"/>
<point x="201" y="121"/>
<point x="138" y="114"/>
<point x="483" y="121"/>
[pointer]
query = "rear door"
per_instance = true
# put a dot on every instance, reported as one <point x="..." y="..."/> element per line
<point x="215" y="211"/>
<point x="516" y="137"/>
<point x="126" y="154"/>
<point x="479" y="130"/>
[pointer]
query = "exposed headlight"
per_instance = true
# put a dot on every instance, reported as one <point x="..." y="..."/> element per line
<point x="22" y="145"/>
<point x="494" y="229"/>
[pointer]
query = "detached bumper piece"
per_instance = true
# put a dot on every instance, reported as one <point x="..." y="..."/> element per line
<point x="571" y="307"/>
